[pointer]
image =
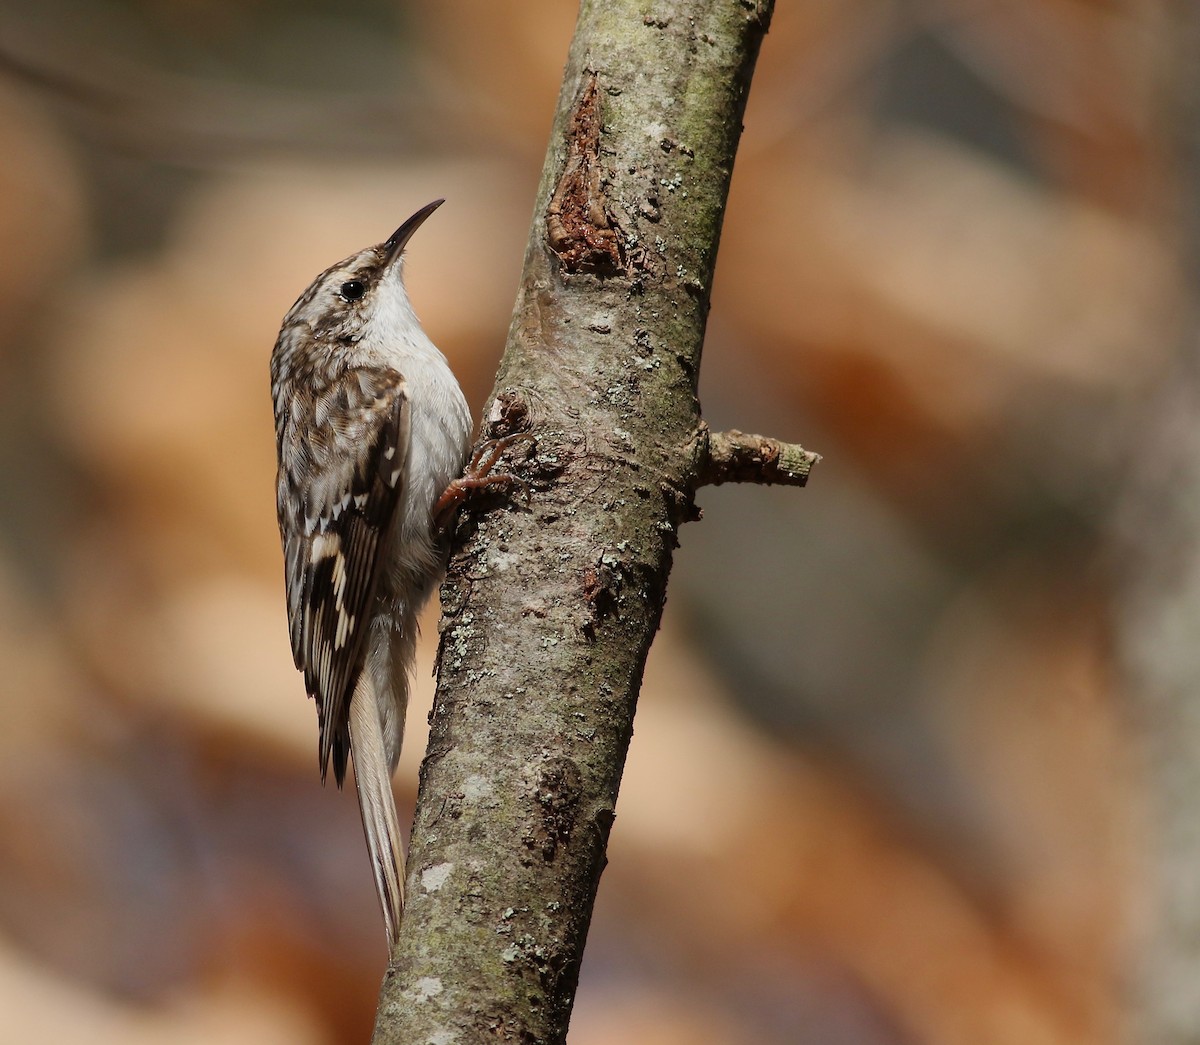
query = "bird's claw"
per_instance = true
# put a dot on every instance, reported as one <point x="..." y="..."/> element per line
<point x="477" y="475"/>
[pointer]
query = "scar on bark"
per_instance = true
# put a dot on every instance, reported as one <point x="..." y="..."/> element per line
<point x="558" y="791"/>
<point x="579" y="227"/>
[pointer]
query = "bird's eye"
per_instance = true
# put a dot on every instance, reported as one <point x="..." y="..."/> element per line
<point x="352" y="290"/>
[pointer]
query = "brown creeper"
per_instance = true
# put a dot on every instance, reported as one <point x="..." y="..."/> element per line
<point x="371" y="428"/>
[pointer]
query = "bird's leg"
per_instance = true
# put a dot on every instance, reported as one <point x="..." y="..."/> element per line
<point x="477" y="475"/>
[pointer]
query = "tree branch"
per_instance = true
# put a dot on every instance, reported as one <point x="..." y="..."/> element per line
<point x="735" y="457"/>
<point x="550" y="609"/>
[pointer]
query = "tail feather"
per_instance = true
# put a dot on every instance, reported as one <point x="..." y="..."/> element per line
<point x="373" y="781"/>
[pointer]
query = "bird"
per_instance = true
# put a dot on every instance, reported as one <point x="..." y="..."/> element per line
<point x="373" y="433"/>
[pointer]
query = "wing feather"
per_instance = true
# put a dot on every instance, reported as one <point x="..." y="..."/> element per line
<point x="342" y="458"/>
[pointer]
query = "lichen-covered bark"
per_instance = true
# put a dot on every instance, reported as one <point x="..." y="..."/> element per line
<point x="550" y="607"/>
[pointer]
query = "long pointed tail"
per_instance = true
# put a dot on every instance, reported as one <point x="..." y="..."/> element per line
<point x="373" y="780"/>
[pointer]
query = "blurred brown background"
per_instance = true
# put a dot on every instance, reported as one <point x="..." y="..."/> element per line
<point x="885" y="786"/>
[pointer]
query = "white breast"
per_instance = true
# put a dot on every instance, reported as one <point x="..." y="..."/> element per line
<point x="440" y="421"/>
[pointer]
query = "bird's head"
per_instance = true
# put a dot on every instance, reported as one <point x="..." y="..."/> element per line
<point x="362" y="296"/>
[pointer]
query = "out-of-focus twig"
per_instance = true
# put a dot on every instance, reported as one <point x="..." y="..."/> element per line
<point x="203" y="122"/>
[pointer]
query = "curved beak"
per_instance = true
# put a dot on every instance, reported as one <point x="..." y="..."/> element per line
<point x="395" y="244"/>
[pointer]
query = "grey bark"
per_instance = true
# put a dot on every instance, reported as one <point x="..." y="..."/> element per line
<point x="1160" y="645"/>
<point x="1159" y="615"/>
<point x="550" y="606"/>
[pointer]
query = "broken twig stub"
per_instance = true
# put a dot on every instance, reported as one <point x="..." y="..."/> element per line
<point x="735" y="457"/>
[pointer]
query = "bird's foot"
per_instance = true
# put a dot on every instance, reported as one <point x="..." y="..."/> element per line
<point x="478" y="475"/>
